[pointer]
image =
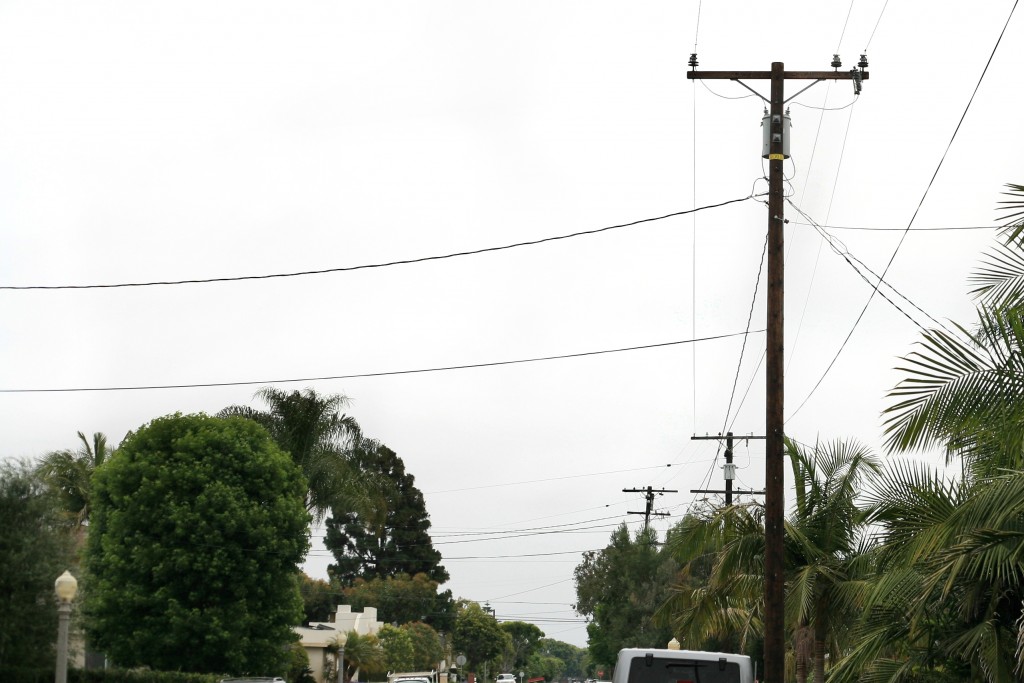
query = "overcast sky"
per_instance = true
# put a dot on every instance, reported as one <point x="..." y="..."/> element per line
<point x="145" y="141"/>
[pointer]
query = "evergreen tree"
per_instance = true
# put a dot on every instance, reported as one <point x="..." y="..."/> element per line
<point x="401" y="544"/>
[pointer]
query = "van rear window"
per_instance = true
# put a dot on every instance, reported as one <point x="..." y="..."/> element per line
<point x="683" y="671"/>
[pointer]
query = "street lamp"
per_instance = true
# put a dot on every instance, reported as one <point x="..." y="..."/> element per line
<point x="342" y="639"/>
<point x="65" y="587"/>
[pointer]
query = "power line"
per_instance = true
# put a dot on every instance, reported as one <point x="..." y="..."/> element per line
<point x="899" y="245"/>
<point x="852" y="227"/>
<point x="204" y="385"/>
<point x="345" y="269"/>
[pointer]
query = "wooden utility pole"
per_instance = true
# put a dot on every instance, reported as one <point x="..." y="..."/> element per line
<point x="774" y="595"/>
<point x="730" y="470"/>
<point x="649" y="511"/>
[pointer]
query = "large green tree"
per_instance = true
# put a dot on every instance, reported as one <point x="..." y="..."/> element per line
<point x="478" y="636"/>
<point x="524" y="639"/>
<point x="197" y="528"/>
<point x="313" y="431"/>
<point x="398" y="544"/>
<point x="619" y="589"/>
<point x="35" y="549"/>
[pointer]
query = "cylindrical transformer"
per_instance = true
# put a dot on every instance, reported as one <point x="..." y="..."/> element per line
<point x="766" y="135"/>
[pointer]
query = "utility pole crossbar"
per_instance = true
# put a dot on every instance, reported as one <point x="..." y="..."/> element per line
<point x="730" y="469"/>
<point x="649" y="511"/>
<point x="774" y="596"/>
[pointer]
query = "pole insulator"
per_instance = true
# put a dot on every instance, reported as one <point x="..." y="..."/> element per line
<point x="836" y="62"/>
<point x="693" y="60"/>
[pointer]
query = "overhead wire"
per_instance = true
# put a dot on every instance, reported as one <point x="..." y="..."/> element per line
<point x="466" y="366"/>
<point x="386" y="264"/>
<point x="913" y="217"/>
<point x="843" y="251"/>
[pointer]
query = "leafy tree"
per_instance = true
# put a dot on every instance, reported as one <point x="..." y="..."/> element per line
<point x="69" y="472"/>
<point x="319" y="598"/>
<point x="399" y="654"/>
<point x="426" y="643"/>
<point x="402" y="599"/>
<point x="619" y="589"/>
<point x="317" y="436"/>
<point x="365" y="548"/>
<point x="524" y="639"/>
<point x="571" y="656"/>
<point x="478" y="636"/>
<point x="34" y="550"/>
<point x="197" y="528"/>
<point x="551" y="668"/>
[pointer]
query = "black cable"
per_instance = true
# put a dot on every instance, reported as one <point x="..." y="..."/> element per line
<point x="345" y="269"/>
<point x="205" y="385"/>
<point x="743" y="348"/>
<point x="871" y="297"/>
<point x="850" y="227"/>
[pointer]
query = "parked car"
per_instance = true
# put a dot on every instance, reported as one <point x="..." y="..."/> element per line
<point x="505" y="678"/>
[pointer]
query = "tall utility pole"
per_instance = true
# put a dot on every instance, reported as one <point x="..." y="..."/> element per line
<point x="649" y="511"/>
<point x="730" y="469"/>
<point x="774" y="596"/>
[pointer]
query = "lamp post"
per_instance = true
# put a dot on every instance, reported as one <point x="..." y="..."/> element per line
<point x="65" y="587"/>
<point x="342" y="639"/>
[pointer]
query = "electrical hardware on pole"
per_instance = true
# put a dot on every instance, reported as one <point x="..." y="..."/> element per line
<point x="729" y="470"/>
<point x="649" y="511"/>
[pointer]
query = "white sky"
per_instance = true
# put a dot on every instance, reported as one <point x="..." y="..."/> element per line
<point x="146" y="141"/>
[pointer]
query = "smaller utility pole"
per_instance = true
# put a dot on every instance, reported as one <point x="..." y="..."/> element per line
<point x="729" y="470"/>
<point x="649" y="511"/>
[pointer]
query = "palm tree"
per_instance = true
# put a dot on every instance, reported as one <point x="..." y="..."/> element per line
<point x="363" y="654"/>
<point x="823" y="559"/>
<point x="950" y="588"/>
<point x="319" y="439"/>
<point x="69" y="472"/>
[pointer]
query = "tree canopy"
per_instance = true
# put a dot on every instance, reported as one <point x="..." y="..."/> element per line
<point x="400" y="544"/>
<point x="619" y="589"/>
<point x="197" y="529"/>
<point x="35" y="548"/>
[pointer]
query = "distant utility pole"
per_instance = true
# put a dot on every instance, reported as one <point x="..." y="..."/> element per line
<point x="649" y="511"/>
<point x="774" y="597"/>
<point x="729" y="469"/>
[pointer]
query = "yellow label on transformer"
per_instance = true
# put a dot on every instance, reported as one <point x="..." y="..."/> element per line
<point x="776" y="157"/>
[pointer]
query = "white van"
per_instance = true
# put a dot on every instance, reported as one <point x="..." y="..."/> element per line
<point x="653" y="665"/>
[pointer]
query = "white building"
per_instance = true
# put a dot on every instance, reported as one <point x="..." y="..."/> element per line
<point x="316" y="637"/>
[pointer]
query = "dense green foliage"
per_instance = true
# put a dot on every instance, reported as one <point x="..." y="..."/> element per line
<point x="398" y="649"/>
<point x="572" y="658"/>
<point x="35" y="549"/>
<point x="319" y="599"/>
<point x="523" y="640"/>
<point x="426" y="645"/>
<point x="197" y="527"/>
<point x="478" y="636"/>
<point x="402" y="599"/>
<point x="11" y="675"/>
<point x="367" y="549"/>
<point x="619" y="589"/>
